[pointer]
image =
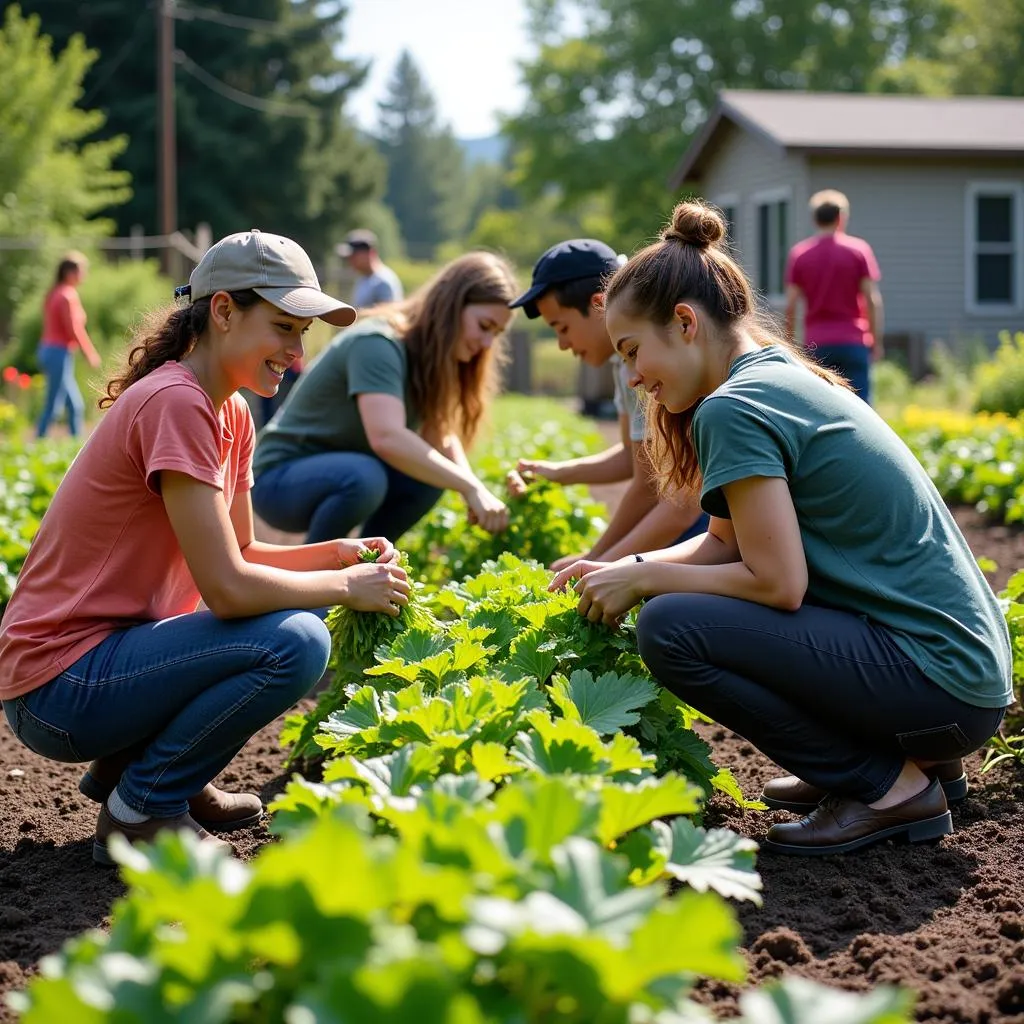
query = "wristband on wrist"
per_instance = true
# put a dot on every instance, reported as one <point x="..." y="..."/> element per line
<point x="639" y="558"/>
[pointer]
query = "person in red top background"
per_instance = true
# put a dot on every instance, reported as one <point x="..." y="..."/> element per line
<point x="836" y="276"/>
<point x="63" y="330"/>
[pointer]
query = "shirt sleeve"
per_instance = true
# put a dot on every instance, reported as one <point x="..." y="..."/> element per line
<point x="376" y="366"/>
<point x="735" y="440"/>
<point x="176" y="429"/>
<point x="870" y="263"/>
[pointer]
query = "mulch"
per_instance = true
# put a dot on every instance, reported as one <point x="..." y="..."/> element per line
<point x="946" y="920"/>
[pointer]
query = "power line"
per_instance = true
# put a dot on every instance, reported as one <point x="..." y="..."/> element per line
<point x="118" y="60"/>
<point x="236" y="95"/>
<point x="186" y="13"/>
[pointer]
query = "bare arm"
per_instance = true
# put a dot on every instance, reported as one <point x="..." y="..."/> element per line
<point x="793" y="296"/>
<point x="875" y="313"/>
<point x="660" y="526"/>
<point x="231" y="587"/>
<point x="393" y="442"/>
<point x="771" y="568"/>
<point x="607" y="467"/>
<point x="74" y="317"/>
<point x="328" y="554"/>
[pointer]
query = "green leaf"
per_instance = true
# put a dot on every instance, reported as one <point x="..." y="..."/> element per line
<point x="540" y="813"/>
<point x="606" y="704"/>
<point x="718" y="859"/>
<point x="694" y="934"/>
<point x="491" y="761"/>
<point x="625" y="807"/>
<point x="393" y="775"/>
<point x="555" y="747"/>
<point x="799" y="1001"/>
<point x="361" y="714"/>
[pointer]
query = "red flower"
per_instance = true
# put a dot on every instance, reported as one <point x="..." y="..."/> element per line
<point x="10" y="374"/>
<point x="24" y="381"/>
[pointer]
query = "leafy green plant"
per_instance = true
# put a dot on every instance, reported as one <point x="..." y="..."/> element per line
<point x="29" y="476"/>
<point x="546" y="521"/>
<point x="1008" y="745"/>
<point x="999" y="381"/>
<point x="521" y="924"/>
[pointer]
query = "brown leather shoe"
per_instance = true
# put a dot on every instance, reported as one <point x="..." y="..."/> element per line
<point x="224" y="812"/>
<point x="792" y="794"/>
<point x="839" y="825"/>
<point x="145" y="831"/>
<point x="212" y="808"/>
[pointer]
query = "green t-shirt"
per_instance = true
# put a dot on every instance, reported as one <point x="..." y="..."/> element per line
<point x="878" y="539"/>
<point x="320" y="413"/>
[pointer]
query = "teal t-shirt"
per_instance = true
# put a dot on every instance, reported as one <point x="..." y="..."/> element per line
<point x="320" y="413"/>
<point x="878" y="539"/>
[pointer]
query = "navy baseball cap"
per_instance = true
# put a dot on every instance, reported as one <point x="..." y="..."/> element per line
<point x="568" y="261"/>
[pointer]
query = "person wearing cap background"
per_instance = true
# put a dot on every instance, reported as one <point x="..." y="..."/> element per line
<point x="103" y="653"/>
<point x="378" y="283"/>
<point x="567" y="290"/>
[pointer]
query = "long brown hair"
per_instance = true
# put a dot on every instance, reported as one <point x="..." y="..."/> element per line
<point x="446" y="394"/>
<point x="692" y="264"/>
<point x="166" y="334"/>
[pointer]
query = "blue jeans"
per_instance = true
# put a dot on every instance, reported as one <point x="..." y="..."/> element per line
<point x="188" y="692"/>
<point x="824" y="693"/>
<point x="852" y="361"/>
<point x="58" y="363"/>
<point x="326" y="496"/>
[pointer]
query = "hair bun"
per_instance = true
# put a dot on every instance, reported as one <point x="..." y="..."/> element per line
<point x="695" y="224"/>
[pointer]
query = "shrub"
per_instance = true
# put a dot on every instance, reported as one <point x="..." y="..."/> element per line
<point x="999" y="382"/>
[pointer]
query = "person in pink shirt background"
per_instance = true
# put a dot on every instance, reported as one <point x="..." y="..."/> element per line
<point x="835" y="276"/>
<point x="104" y="653"/>
<point x="63" y="332"/>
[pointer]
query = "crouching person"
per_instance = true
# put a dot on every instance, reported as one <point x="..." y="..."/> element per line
<point x="833" y="614"/>
<point x="104" y="655"/>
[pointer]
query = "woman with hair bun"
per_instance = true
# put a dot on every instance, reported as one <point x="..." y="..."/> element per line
<point x="833" y="614"/>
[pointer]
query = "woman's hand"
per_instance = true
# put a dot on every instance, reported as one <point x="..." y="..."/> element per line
<point x="606" y="594"/>
<point x="541" y="467"/>
<point x="576" y="570"/>
<point x="515" y="484"/>
<point x="352" y="550"/>
<point x="372" y="587"/>
<point x="487" y="510"/>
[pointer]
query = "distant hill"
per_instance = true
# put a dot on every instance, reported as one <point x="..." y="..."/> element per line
<point x="489" y="149"/>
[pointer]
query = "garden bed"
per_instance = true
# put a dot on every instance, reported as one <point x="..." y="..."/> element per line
<point x="946" y="920"/>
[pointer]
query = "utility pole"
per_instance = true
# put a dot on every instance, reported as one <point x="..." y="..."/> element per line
<point x="167" y="157"/>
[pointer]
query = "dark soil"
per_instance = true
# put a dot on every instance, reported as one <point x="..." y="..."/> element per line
<point x="946" y="920"/>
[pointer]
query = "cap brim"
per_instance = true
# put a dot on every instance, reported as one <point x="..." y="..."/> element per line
<point x="309" y="302"/>
<point x="528" y="301"/>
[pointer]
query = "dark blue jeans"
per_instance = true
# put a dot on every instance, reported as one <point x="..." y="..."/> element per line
<point x="58" y="363"/>
<point x="327" y="496"/>
<point x="823" y="693"/>
<point x="189" y="692"/>
<point x="852" y="361"/>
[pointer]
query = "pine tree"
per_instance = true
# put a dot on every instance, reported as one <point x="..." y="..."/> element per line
<point x="426" y="179"/>
<point x="262" y="139"/>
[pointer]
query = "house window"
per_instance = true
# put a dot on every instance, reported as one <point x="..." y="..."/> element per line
<point x="994" y="246"/>
<point x="772" y="223"/>
<point x="729" y="205"/>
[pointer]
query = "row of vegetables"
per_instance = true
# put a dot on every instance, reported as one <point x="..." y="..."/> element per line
<point x="498" y="817"/>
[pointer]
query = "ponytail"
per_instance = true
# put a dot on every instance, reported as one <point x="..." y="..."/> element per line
<point x="166" y="335"/>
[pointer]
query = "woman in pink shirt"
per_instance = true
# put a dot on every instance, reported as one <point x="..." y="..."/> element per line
<point x="103" y="653"/>
<point x="63" y="330"/>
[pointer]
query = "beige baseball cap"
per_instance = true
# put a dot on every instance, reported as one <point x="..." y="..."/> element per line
<point x="275" y="268"/>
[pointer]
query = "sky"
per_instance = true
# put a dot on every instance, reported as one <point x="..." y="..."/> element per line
<point x="465" y="49"/>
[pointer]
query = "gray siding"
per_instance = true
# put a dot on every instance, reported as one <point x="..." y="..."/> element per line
<point x="913" y="215"/>
<point x="744" y="165"/>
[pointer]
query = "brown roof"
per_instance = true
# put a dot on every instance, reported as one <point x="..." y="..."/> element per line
<point x="864" y="123"/>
